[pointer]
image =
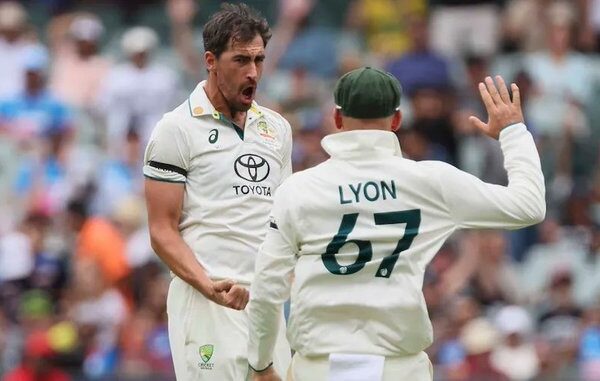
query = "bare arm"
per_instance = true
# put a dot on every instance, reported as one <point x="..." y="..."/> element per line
<point x="164" y="201"/>
<point x="181" y="14"/>
<point x="291" y="14"/>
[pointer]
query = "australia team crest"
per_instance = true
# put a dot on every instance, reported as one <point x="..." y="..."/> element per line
<point x="206" y="353"/>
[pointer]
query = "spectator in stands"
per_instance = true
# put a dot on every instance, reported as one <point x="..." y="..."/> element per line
<point x="14" y="42"/>
<point x="523" y="26"/>
<point x="129" y="216"/>
<point x="300" y="45"/>
<point x="45" y="181"/>
<point x="80" y="71"/>
<point x="35" y="112"/>
<point x="451" y="352"/>
<point x="559" y="323"/>
<point x="16" y="265"/>
<point x="562" y="89"/>
<point x="385" y="25"/>
<point x="145" y="339"/>
<point x="100" y="241"/>
<point x="181" y="16"/>
<point x="117" y="177"/>
<point x="419" y="66"/>
<point x="39" y="125"/>
<point x="137" y="93"/>
<point x="459" y="27"/>
<point x="479" y="338"/>
<point x="37" y="362"/>
<point x="555" y="249"/>
<point x="26" y="263"/>
<point x="495" y="280"/>
<point x="432" y="118"/>
<point x="515" y="356"/>
<point x="99" y="310"/>
<point x="49" y="268"/>
<point x="589" y="344"/>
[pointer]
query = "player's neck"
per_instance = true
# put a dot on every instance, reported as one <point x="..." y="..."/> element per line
<point x="216" y="98"/>
<point x="351" y="124"/>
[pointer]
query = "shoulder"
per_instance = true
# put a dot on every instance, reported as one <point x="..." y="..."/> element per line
<point x="172" y="123"/>
<point x="432" y="165"/>
<point x="178" y="118"/>
<point x="432" y="169"/>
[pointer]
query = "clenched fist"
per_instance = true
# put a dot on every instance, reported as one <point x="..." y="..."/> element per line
<point x="228" y="294"/>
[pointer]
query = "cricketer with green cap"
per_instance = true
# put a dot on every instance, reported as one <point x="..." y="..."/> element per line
<point x="358" y="231"/>
<point x="368" y="93"/>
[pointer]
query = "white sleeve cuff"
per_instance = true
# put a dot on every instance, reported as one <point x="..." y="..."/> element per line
<point x="513" y="129"/>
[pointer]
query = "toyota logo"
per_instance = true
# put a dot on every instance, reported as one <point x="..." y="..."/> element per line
<point x="252" y="168"/>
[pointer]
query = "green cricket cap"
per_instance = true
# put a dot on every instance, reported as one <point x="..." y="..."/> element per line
<point x="367" y="93"/>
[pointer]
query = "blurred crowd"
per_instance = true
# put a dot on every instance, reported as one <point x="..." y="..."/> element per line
<point x="82" y="84"/>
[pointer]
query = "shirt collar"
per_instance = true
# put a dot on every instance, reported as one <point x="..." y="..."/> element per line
<point x="200" y="104"/>
<point x="362" y="142"/>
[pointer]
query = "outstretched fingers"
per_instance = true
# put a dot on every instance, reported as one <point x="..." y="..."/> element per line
<point x="503" y="90"/>
<point x="491" y="87"/>
<point x="516" y="95"/>
<point x="486" y="97"/>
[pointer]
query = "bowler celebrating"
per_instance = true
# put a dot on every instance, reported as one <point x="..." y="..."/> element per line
<point x="212" y="166"/>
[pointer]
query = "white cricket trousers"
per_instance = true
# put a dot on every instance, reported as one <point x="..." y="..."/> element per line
<point x="209" y="341"/>
<point x="406" y="368"/>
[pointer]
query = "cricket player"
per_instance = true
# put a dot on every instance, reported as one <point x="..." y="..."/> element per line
<point x="358" y="230"/>
<point x="212" y="166"/>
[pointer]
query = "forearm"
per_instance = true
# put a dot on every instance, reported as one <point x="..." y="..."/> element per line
<point x="476" y="204"/>
<point x="177" y="255"/>
<point x="264" y="322"/>
<point x="270" y="289"/>
<point x="183" y="41"/>
<point x="525" y="177"/>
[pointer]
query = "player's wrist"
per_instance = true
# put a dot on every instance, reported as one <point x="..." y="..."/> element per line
<point x="204" y="285"/>
<point x="264" y="370"/>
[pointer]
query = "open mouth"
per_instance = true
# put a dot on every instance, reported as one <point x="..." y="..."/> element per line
<point x="248" y="93"/>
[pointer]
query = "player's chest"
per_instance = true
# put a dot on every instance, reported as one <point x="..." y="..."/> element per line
<point x="230" y="162"/>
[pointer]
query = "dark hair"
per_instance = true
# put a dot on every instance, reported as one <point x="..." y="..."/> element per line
<point x="235" y="22"/>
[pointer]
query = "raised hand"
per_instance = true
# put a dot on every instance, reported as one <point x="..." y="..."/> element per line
<point x="181" y="11"/>
<point x="502" y="111"/>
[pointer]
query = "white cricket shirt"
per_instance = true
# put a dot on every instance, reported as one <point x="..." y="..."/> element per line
<point x="357" y="232"/>
<point x="230" y="177"/>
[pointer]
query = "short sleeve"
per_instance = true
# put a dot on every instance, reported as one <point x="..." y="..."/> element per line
<point x="167" y="155"/>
